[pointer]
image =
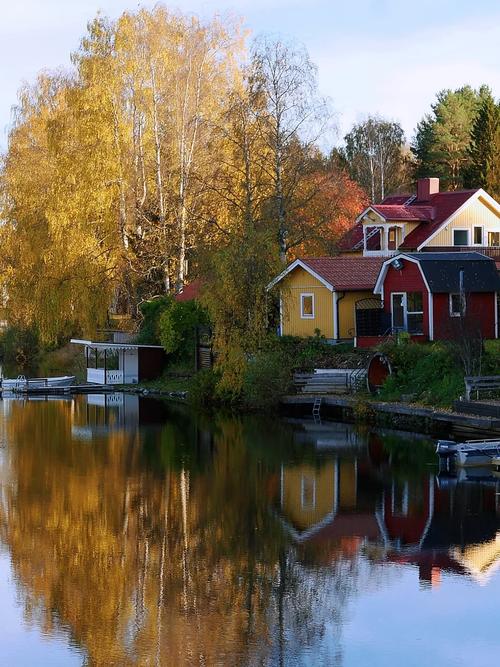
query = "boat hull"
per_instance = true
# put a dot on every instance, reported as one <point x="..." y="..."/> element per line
<point x="26" y="384"/>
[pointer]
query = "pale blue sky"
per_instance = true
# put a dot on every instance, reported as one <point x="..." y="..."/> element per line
<point x="374" y="56"/>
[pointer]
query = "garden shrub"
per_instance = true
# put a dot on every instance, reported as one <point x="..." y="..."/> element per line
<point x="20" y="348"/>
<point x="177" y="328"/>
<point x="203" y="387"/>
<point x="151" y="311"/>
<point x="267" y="378"/>
<point x="430" y="373"/>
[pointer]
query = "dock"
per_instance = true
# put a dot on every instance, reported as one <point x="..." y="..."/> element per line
<point x="399" y="414"/>
<point x="64" y="391"/>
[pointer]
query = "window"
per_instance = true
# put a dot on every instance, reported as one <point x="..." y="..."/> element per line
<point x="478" y="236"/>
<point x="415" y="312"/>
<point x="494" y="239"/>
<point x="457" y="305"/>
<point x="307" y="306"/>
<point x="399" y="499"/>
<point x="392" y="238"/>
<point x="308" y="492"/>
<point x="460" y="237"/>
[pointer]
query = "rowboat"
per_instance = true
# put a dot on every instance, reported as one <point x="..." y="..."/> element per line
<point x="470" y="452"/>
<point x="22" y="383"/>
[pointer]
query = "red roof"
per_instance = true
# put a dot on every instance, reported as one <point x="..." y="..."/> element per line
<point x="431" y="215"/>
<point x="347" y="273"/>
<point x="444" y="205"/>
<point x="400" y="212"/>
<point x="189" y="292"/>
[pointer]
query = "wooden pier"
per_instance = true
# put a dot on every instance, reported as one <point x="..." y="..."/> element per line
<point x="398" y="413"/>
<point x="63" y="391"/>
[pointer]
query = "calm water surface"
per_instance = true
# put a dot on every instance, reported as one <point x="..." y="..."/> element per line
<point x="134" y="533"/>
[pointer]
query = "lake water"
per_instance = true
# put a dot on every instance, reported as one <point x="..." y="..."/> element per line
<point x="135" y="533"/>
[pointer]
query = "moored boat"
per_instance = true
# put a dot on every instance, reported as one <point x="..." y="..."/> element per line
<point x="471" y="452"/>
<point x="22" y="383"/>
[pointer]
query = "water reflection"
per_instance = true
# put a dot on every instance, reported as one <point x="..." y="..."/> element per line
<point x="149" y="535"/>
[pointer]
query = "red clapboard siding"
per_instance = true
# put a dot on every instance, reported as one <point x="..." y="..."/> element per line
<point x="480" y="311"/>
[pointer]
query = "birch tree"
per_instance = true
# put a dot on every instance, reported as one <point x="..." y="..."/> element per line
<point x="374" y="154"/>
<point x="291" y="119"/>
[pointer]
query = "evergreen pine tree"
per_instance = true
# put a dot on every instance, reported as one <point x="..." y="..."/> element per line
<point x="484" y="151"/>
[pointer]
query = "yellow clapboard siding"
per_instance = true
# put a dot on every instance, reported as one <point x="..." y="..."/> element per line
<point x="301" y="282"/>
<point x="478" y="214"/>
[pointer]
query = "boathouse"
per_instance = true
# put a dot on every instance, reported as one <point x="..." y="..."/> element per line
<point x="121" y="362"/>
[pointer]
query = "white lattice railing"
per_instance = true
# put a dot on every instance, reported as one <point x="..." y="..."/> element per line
<point x="114" y="377"/>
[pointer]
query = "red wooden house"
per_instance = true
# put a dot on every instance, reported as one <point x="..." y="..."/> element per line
<point x="435" y="296"/>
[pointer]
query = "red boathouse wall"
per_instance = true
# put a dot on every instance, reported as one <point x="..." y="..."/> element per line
<point x="480" y="313"/>
<point x="408" y="279"/>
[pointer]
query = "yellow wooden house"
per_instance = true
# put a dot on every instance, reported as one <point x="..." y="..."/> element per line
<point x="318" y="295"/>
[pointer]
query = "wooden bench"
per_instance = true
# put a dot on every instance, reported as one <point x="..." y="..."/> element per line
<point x="480" y="382"/>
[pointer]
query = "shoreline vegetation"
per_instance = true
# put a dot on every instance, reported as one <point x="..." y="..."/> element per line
<point x="419" y="395"/>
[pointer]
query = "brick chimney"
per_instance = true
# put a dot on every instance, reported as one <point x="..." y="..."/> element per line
<point x="427" y="187"/>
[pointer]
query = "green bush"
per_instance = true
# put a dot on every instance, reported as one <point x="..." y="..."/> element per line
<point x="151" y="311"/>
<point x="430" y="373"/>
<point x="268" y="376"/>
<point x="20" y="348"/>
<point x="203" y="387"/>
<point x="177" y="328"/>
<point x="491" y="358"/>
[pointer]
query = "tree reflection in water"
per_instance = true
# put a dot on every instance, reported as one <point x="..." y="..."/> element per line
<point x="160" y="537"/>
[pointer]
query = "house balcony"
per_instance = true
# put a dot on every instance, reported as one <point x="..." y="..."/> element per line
<point x="380" y="253"/>
<point x="489" y="251"/>
<point x="101" y="376"/>
<point x="382" y="240"/>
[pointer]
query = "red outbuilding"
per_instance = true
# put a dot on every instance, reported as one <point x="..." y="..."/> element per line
<point x="435" y="296"/>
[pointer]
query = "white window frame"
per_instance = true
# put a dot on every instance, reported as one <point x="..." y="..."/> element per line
<point x="491" y="231"/>
<point x="403" y="302"/>
<point x="461" y="245"/>
<point x="302" y="315"/>
<point x="406" y="312"/>
<point x="303" y="504"/>
<point x="413" y="312"/>
<point x="450" y="300"/>
<point x="481" y="227"/>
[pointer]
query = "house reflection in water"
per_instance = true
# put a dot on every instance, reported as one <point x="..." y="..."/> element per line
<point x="358" y="504"/>
<point x="323" y="504"/>
<point x="98" y="414"/>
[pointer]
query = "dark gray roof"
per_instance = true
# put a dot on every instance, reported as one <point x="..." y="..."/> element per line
<point x="442" y="271"/>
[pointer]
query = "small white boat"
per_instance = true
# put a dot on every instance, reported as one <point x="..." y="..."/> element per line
<point x="22" y="383"/>
<point x="471" y="452"/>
